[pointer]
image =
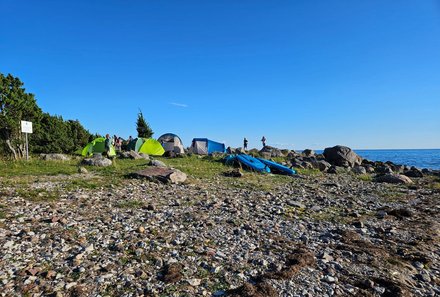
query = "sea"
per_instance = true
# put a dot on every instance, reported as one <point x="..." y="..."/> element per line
<point x="420" y="158"/>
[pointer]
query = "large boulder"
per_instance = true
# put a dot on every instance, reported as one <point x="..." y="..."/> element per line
<point x="54" y="157"/>
<point x="414" y="172"/>
<point x="342" y="156"/>
<point x="97" y="161"/>
<point x="274" y="152"/>
<point x="165" y="175"/>
<point x="393" y="179"/>
<point x="308" y="152"/>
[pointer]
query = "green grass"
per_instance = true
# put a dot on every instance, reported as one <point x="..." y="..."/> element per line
<point x="198" y="167"/>
<point x="64" y="175"/>
<point x="2" y="211"/>
<point x="365" y="177"/>
<point x="37" y="195"/>
<point x="308" y="172"/>
<point x="37" y="168"/>
<point x="130" y="204"/>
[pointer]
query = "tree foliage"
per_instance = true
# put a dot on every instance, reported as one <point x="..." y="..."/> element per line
<point x="15" y="105"/>
<point x="142" y="127"/>
<point x="51" y="134"/>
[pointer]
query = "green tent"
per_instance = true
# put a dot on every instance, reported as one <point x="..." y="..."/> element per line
<point x="150" y="146"/>
<point x="97" y="146"/>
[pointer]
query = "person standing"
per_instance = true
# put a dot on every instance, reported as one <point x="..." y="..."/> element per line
<point x="107" y="145"/>
<point x="263" y="140"/>
<point x="245" y="143"/>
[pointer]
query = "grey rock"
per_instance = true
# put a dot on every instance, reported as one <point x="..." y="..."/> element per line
<point x="97" y="161"/>
<point x="337" y="170"/>
<point x="54" y="157"/>
<point x="165" y="175"/>
<point x="308" y="152"/>
<point x="393" y="179"/>
<point x="82" y="170"/>
<point x="273" y="151"/>
<point x="359" y="170"/>
<point x="414" y="172"/>
<point x="157" y="163"/>
<point x="323" y="165"/>
<point x="342" y="156"/>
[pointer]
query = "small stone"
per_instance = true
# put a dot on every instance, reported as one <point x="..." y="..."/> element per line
<point x="195" y="282"/>
<point x="358" y="224"/>
<point x="8" y="244"/>
<point x="141" y="229"/>
<point x="70" y="285"/>
<point x="296" y="204"/>
<point x="89" y="248"/>
<point x="381" y="214"/>
<point x="82" y="170"/>
<point x="329" y="279"/>
<point x="423" y="277"/>
<point x="326" y="257"/>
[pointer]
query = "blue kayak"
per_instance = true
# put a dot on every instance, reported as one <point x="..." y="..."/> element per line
<point x="276" y="167"/>
<point x="252" y="163"/>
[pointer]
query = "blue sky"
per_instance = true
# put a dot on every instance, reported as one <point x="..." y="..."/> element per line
<point x="306" y="74"/>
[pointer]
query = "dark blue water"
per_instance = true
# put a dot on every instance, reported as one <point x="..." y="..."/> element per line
<point x="426" y="158"/>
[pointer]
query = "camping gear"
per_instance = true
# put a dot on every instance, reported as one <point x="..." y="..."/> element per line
<point x="97" y="146"/>
<point x="259" y="164"/>
<point x="248" y="162"/>
<point x="252" y="163"/>
<point x="205" y="146"/>
<point x="147" y="146"/>
<point x="151" y="147"/>
<point x="276" y="167"/>
<point x="171" y="143"/>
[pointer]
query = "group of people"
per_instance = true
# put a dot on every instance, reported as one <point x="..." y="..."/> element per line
<point x="245" y="142"/>
<point x="115" y="141"/>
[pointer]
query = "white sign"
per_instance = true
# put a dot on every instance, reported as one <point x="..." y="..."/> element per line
<point x="26" y="127"/>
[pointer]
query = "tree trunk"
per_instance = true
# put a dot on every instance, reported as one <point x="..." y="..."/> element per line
<point x="8" y="142"/>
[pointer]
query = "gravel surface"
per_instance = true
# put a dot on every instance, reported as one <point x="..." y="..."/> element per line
<point x="319" y="235"/>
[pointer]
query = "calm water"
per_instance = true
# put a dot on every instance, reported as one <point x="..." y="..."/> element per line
<point x="420" y="158"/>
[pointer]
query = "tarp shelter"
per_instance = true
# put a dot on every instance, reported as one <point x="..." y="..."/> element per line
<point x="171" y="143"/>
<point x="205" y="146"/>
<point x="147" y="146"/>
<point x="97" y="146"/>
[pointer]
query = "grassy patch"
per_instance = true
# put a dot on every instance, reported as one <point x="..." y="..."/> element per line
<point x="197" y="167"/>
<point x="301" y="171"/>
<point x="390" y="195"/>
<point x="2" y="212"/>
<point x="37" y="168"/>
<point x="37" y="195"/>
<point x="365" y="177"/>
<point x="130" y="204"/>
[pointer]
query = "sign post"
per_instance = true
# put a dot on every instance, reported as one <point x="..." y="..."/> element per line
<point x="26" y="128"/>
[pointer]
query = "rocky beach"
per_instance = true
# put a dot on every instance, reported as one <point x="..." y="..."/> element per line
<point x="342" y="227"/>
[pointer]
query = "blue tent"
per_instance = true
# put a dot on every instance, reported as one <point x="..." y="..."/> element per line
<point x="205" y="146"/>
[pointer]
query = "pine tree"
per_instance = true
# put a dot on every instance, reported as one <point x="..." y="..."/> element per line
<point x="142" y="127"/>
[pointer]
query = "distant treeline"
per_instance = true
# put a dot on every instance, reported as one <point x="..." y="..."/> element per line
<point x="51" y="133"/>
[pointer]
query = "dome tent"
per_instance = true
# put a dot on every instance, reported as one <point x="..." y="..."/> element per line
<point x="171" y="143"/>
<point x="97" y="146"/>
<point x="147" y="146"/>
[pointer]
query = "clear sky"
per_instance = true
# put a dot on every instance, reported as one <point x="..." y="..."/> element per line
<point x="305" y="74"/>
